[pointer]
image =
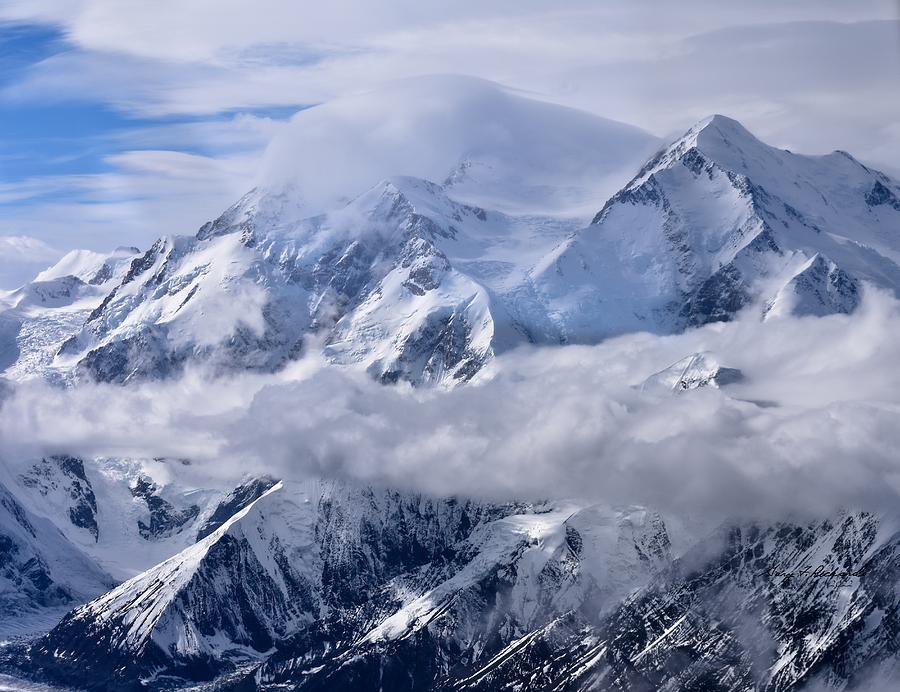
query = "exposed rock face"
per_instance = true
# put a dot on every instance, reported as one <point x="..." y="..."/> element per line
<point x="819" y="288"/>
<point x="65" y="475"/>
<point x="333" y="576"/>
<point x="773" y="608"/>
<point x="164" y="519"/>
<point x="240" y="497"/>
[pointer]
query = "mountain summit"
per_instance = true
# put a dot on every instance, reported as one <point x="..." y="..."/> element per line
<point x="719" y="221"/>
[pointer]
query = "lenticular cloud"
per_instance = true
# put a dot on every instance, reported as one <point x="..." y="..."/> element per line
<point x="426" y="127"/>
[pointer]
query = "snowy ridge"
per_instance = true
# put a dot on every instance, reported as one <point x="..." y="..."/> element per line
<point x="719" y="221"/>
<point x="36" y="319"/>
<point x="142" y="602"/>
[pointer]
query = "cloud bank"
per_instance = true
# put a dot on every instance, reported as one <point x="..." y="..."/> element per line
<point x="557" y="422"/>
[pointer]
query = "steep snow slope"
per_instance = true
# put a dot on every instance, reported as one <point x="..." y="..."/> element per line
<point x="38" y="317"/>
<point x="717" y="221"/>
<point x="333" y="573"/>
<point x="42" y="574"/>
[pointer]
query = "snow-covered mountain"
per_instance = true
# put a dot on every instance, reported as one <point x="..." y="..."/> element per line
<point x="411" y="281"/>
<point x="718" y="221"/>
<point x="329" y="575"/>
<point x="329" y="586"/>
<point x="411" y="278"/>
<point x="423" y="268"/>
<point x="36" y="318"/>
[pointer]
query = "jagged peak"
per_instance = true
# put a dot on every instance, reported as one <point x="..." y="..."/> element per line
<point x="697" y="370"/>
<point x="408" y="187"/>
<point x="720" y="127"/>
<point x="717" y="137"/>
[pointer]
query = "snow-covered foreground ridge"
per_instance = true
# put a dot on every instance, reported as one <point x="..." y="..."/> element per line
<point x="331" y="586"/>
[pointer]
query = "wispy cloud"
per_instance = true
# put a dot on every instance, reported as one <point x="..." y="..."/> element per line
<point x="145" y="194"/>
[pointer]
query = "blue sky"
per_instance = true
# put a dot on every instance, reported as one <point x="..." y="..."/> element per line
<point x="42" y="138"/>
<point x="66" y="159"/>
<point x="71" y="135"/>
<point x="121" y="121"/>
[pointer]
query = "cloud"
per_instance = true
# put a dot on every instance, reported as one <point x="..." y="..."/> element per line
<point x="207" y="31"/>
<point x="144" y="194"/>
<point x="426" y="127"/>
<point x="812" y="75"/>
<point x="556" y="422"/>
<point x="21" y="257"/>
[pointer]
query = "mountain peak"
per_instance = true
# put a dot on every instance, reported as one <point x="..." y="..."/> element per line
<point x="723" y="124"/>
<point x="717" y="137"/>
<point x="718" y="134"/>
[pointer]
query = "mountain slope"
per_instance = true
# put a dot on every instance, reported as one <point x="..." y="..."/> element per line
<point x="717" y="221"/>
<point x="753" y="608"/>
<point x="126" y="515"/>
<point x="38" y="317"/>
<point x="42" y="574"/>
<point x="331" y="574"/>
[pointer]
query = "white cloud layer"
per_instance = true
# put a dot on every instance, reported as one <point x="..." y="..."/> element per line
<point x="524" y="149"/>
<point x="559" y="422"/>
